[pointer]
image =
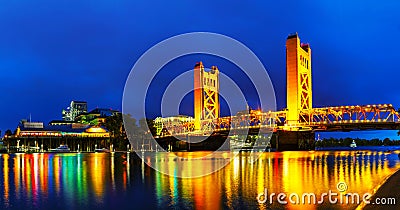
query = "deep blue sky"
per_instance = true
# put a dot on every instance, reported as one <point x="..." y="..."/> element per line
<point x="52" y="52"/>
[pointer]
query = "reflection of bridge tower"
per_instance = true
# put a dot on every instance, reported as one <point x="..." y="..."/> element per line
<point x="206" y="89"/>
<point x="298" y="73"/>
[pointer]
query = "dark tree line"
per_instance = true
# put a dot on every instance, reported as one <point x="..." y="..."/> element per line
<point x="119" y="137"/>
<point x="8" y="133"/>
<point x="345" y="142"/>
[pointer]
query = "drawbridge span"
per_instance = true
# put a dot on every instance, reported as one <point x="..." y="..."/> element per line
<point x="293" y="127"/>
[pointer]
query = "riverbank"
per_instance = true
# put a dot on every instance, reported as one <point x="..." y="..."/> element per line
<point x="389" y="189"/>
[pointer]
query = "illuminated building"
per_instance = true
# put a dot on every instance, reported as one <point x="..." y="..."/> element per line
<point x="76" y="108"/>
<point x="169" y="125"/>
<point x="298" y="73"/>
<point x="43" y="137"/>
<point x="206" y="98"/>
<point x="38" y="129"/>
<point x="78" y="136"/>
<point x="96" y="116"/>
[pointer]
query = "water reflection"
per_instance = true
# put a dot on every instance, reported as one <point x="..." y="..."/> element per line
<point x="238" y="184"/>
<point x="79" y="180"/>
<point x="36" y="177"/>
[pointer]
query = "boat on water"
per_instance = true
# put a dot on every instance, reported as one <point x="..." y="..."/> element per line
<point x="353" y="144"/>
<point x="102" y="150"/>
<point x="61" y="148"/>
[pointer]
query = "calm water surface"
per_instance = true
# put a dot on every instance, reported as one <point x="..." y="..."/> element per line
<point x="114" y="180"/>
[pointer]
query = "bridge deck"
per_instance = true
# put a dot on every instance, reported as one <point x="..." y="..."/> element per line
<point x="341" y="118"/>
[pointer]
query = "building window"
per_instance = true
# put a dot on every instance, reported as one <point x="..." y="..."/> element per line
<point x="301" y="59"/>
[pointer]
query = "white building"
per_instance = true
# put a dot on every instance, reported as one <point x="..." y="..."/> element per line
<point x="76" y="108"/>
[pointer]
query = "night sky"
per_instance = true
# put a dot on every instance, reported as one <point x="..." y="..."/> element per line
<point x="52" y="52"/>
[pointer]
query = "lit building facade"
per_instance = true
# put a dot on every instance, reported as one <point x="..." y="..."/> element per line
<point x="298" y="81"/>
<point x="35" y="136"/>
<point x="76" y="108"/>
<point x="97" y="116"/>
<point x="38" y="129"/>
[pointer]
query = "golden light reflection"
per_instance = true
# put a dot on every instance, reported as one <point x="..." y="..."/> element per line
<point x="229" y="186"/>
<point x="97" y="170"/>
<point x="261" y="177"/>
<point x="112" y="169"/>
<point x="206" y="196"/>
<point x="27" y="175"/>
<point x="43" y="173"/>
<point x="288" y="172"/>
<point x="35" y="177"/>
<point x="80" y="176"/>
<point x="173" y="180"/>
<point x="57" y="172"/>
<point x="128" y="169"/>
<point x="17" y="174"/>
<point x="5" y="176"/>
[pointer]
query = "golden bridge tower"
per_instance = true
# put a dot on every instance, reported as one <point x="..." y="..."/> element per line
<point x="298" y="73"/>
<point x="206" y="98"/>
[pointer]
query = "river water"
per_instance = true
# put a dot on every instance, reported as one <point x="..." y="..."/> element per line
<point x="121" y="180"/>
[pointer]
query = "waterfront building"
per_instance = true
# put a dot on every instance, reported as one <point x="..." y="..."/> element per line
<point x="76" y="108"/>
<point x="38" y="129"/>
<point x="37" y="134"/>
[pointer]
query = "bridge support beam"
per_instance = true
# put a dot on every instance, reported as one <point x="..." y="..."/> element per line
<point x="298" y="79"/>
<point x="294" y="140"/>
<point x="206" y="98"/>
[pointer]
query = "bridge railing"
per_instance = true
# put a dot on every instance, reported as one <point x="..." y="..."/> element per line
<point x="381" y="113"/>
<point x="309" y="119"/>
<point x="255" y="118"/>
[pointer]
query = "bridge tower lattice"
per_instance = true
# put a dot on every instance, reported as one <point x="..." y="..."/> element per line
<point x="206" y="98"/>
<point x="298" y="79"/>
